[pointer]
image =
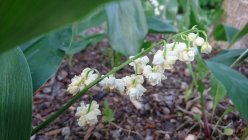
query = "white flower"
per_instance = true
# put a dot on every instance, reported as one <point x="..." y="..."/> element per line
<point x="158" y="58"/>
<point x="78" y="83"/>
<point x="199" y="41"/>
<point x="156" y="11"/>
<point x="187" y="55"/>
<point x="134" y="86"/>
<point x="88" y="116"/>
<point x="136" y="92"/>
<point x="139" y="64"/>
<point x="167" y="57"/>
<point x="111" y="83"/>
<point x="154" y="75"/>
<point x="91" y="77"/>
<point x="206" y="48"/>
<point x="161" y="7"/>
<point x="120" y="85"/>
<point x="108" y="82"/>
<point x="192" y="36"/>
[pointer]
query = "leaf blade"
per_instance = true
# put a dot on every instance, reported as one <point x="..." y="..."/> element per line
<point x="15" y="96"/>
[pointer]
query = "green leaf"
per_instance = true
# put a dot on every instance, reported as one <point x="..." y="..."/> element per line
<point x="108" y="115"/>
<point x="93" y="19"/>
<point x="170" y="10"/>
<point x="218" y="91"/>
<point x="15" y="96"/>
<point x="192" y="15"/>
<point x="127" y="26"/>
<point x="82" y="43"/>
<point x="44" y="55"/>
<point x="156" y="24"/>
<point x="235" y="83"/>
<point x="23" y="20"/>
<point x="225" y="32"/>
<point x="240" y="34"/>
<point x="227" y="57"/>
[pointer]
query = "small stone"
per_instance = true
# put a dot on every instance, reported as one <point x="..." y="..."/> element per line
<point x="97" y="135"/>
<point x="47" y="90"/>
<point x="116" y="133"/>
<point x="137" y="104"/>
<point x="184" y="86"/>
<point x="66" y="131"/>
<point x="190" y="137"/>
<point x="149" y="137"/>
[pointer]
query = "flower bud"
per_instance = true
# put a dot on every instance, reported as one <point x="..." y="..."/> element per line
<point x="199" y="41"/>
<point x="206" y="48"/>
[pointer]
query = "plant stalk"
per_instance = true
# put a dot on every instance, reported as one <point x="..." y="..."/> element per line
<point x="84" y="91"/>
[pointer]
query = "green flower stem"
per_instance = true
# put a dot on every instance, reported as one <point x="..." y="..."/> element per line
<point x="84" y="91"/>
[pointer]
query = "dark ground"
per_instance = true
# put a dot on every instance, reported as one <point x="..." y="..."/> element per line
<point x="161" y="114"/>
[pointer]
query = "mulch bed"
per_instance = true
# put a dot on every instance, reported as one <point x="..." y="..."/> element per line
<point x="162" y="112"/>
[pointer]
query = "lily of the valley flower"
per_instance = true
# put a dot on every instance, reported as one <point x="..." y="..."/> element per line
<point x="139" y="64"/>
<point x="192" y="36"/>
<point x="154" y="75"/>
<point x="111" y="83"/>
<point x="78" y="83"/>
<point x="88" y="113"/>
<point x="199" y="41"/>
<point x="187" y="55"/>
<point x="134" y="88"/>
<point x="206" y="48"/>
<point x="108" y="83"/>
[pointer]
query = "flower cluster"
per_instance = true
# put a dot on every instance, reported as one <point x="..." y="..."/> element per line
<point x="164" y="59"/>
<point x="88" y="113"/>
<point x="157" y="7"/>
<point x="78" y="83"/>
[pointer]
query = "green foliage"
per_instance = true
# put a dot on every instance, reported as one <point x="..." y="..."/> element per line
<point x="192" y="15"/>
<point x="158" y="25"/>
<point x="127" y="26"/>
<point x="170" y="10"/>
<point x="15" y="96"/>
<point x="218" y="91"/>
<point x="235" y="83"/>
<point x="23" y="21"/>
<point x="228" y="33"/>
<point x="108" y="115"/>
<point x="44" y="55"/>
<point x="227" y="57"/>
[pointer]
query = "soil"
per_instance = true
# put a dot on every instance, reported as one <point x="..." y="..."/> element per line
<point x="162" y="113"/>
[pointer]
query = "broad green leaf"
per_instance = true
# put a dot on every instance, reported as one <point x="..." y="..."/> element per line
<point x="156" y="24"/>
<point x="93" y="19"/>
<point x="127" y="26"/>
<point x="225" y="32"/>
<point x="44" y="55"/>
<point x="227" y="57"/>
<point x="23" y="20"/>
<point x="15" y="96"/>
<point x="218" y="91"/>
<point x="235" y="84"/>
